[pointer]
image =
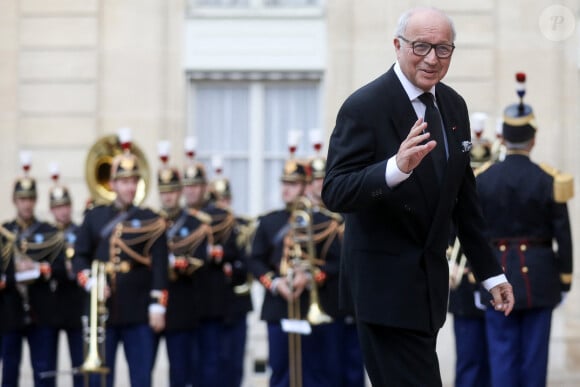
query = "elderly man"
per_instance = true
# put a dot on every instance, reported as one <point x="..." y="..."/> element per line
<point x="398" y="168"/>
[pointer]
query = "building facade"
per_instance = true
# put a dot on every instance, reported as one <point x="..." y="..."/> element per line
<point x="239" y="74"/>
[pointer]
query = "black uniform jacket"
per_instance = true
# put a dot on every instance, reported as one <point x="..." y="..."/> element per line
<point x="393" y="254"/>
<point x="131" y="290"/>
<point x="266" y="255"/>
<point x="72" y="298"/>
<point x="518" y="205"/>
<point x="188" y="238"/>
<point x="39" y="295"/>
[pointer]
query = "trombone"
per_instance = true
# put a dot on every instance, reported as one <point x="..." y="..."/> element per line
<point x="95" y="359"/>
<point x="301" y="234"/>
<point x="301" y="224"/>
<point x="94" y="330"/>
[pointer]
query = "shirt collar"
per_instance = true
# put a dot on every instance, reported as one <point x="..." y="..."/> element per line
<point x="413" y="92"/>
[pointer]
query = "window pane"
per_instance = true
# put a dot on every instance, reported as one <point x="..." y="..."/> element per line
<point x="288" y="106"/>
<point x="222" y="117"/>
<point x="221" y="125"/>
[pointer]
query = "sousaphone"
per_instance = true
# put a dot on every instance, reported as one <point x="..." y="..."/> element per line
<point x="98" y="170"/>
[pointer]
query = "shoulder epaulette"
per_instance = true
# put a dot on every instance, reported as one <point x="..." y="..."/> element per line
<point x="563" y="183"/>
<point x="10" y="236"/>
<point x="202" y="216"/>
<point x="482" y="168"/>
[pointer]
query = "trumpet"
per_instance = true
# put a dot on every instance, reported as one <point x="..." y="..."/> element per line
<point x="95" y="359"/>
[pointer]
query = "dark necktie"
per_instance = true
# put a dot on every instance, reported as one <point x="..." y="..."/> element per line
<point x="433" y="119"/>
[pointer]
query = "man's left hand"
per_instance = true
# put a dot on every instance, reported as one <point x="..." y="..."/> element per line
<point x="503" y="298"/>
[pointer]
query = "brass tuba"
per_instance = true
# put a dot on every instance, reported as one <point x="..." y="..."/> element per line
<point x="98" y="170"/>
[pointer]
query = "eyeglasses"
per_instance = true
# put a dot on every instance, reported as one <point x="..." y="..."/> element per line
<point x="442" y="51"/>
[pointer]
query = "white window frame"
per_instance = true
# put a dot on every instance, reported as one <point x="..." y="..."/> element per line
<point x="256" y="155"/>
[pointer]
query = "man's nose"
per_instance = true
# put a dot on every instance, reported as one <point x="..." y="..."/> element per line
<point x="431" y="57"/>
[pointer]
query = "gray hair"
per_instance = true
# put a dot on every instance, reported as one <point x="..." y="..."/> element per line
<point x="519" y="145"/>
<point x="404" y="20"/>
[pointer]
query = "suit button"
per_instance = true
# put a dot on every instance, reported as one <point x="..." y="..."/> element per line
<point x="523" y="247"/>
<point x="524" y="269"/>
<point x="502" y="247"/>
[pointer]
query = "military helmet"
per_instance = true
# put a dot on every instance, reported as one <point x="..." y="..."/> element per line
<point x="318" y="162"/>
<point x="125" y="164"/>
<point x="219" y="187"/>
<point x="58" y="195"/>
<point x="480" y="151"/>
<point x="294" y="170"/>
<point x="519" y="123"/>
<point x="25" y="186"/>
<point x="168" y="179"/>
<point x="194" y="171"/>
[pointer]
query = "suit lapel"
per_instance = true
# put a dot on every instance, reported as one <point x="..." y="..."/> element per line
<point x="403" y="115"/>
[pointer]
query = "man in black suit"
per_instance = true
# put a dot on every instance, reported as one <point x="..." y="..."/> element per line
<point x="401" y="180"/>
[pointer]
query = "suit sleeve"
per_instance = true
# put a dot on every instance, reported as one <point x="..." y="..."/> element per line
<point x="354" y="180"/>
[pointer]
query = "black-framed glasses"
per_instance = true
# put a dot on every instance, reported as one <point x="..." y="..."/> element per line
<point x="442" y="51"/>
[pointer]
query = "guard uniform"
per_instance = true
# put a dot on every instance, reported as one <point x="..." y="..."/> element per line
<point x="187" y="237"/>
<point x="72" y="298"/>
<point x="471" y="360"/>
<point x="234" y="232"/>
<point x="526" y="212"/>
<point x="131" y="242"/>
<point x="344" y="355"/>
<point x="272" y="249"/>
<point x="28" y="297"/>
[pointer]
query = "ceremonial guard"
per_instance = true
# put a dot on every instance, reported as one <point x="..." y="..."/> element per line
<point x="471" y="360"/>
<point x="293" y="262"/>
<point x="187" y="238"/>
<point x="32" y="269"/>
<point x="238" y="300"/>
<point x="130" y="241"/>
<point x="214" y="278"/>
<point x="345" y="356"/>
<point x="524" y="205"/>
<point x="71" y="296"/>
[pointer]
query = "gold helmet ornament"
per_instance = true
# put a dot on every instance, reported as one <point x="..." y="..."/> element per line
<point x="126" y="163"/>
<point x="59" y="194"/>
<point x="294" y="170"/>
<point x="220" y="187"/>
<point x="25" y="186"/>
<point x="318" y="162"/>
<point x="168" y="179"/>
<point x="194" y="171"/>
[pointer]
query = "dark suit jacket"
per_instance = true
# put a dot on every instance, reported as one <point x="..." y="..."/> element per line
<point x="393" y="257"/>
